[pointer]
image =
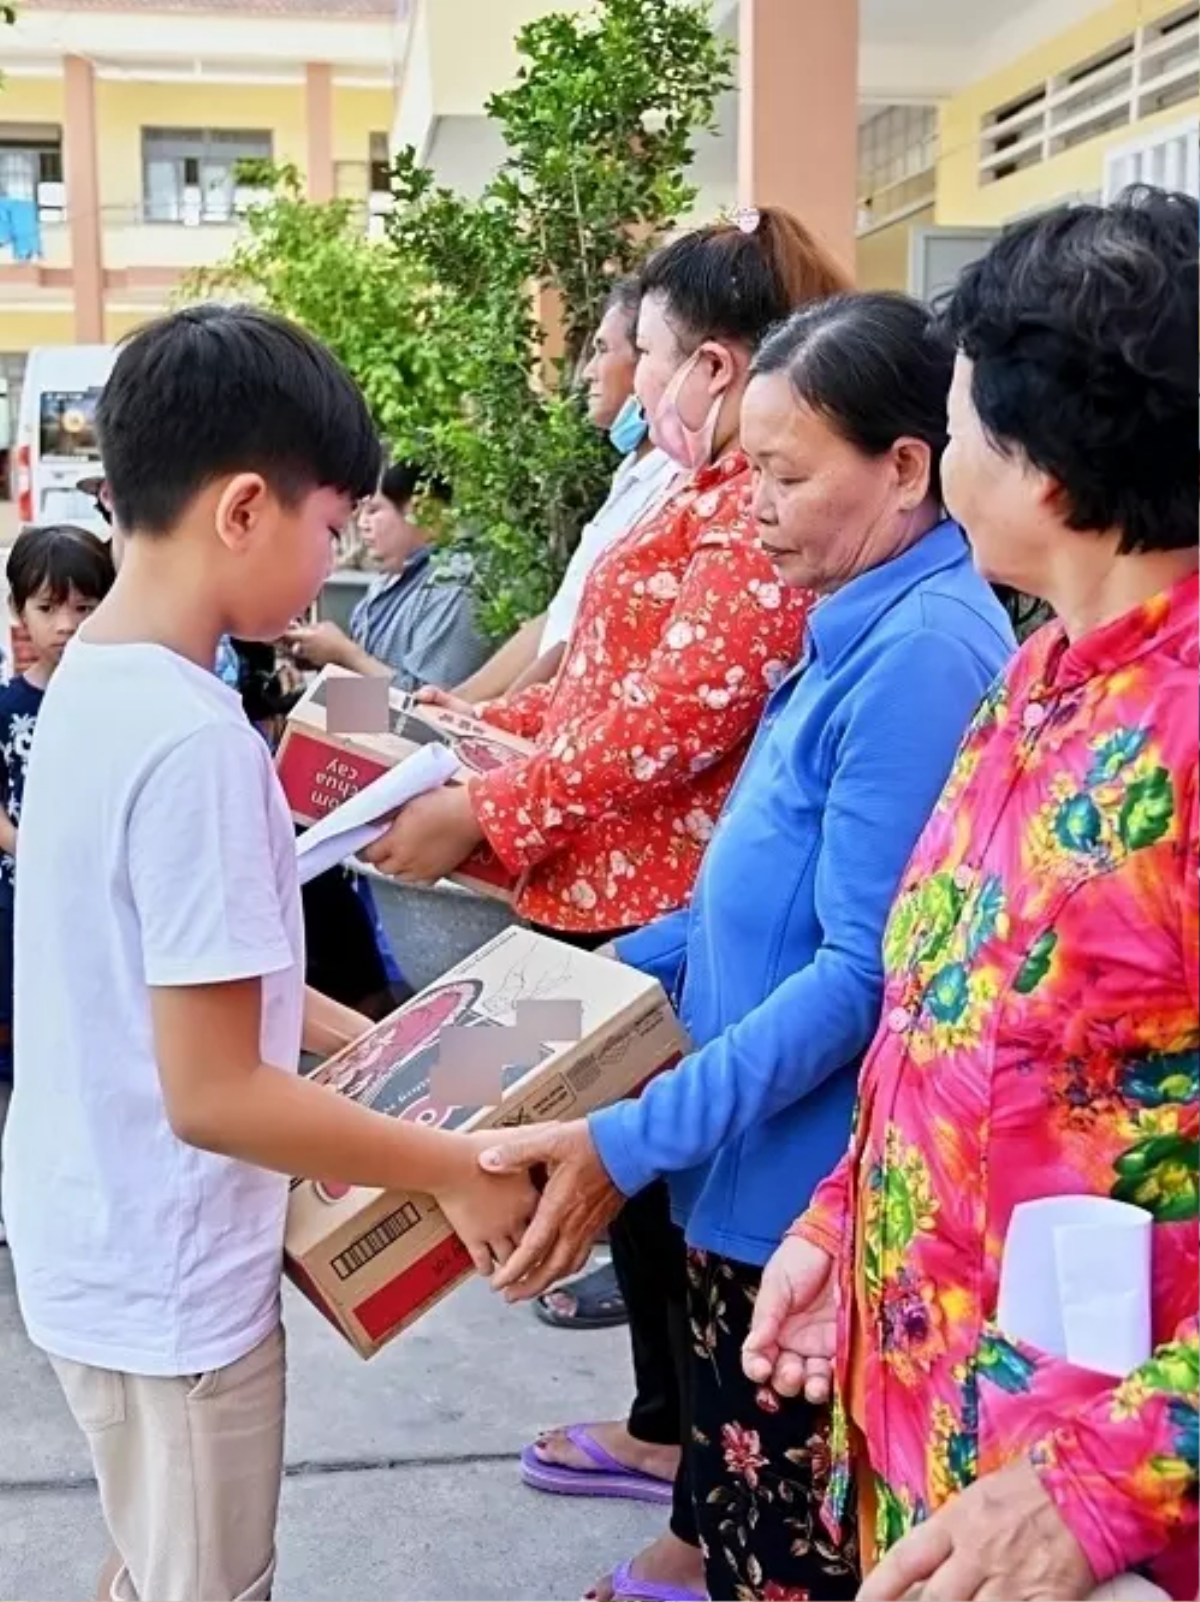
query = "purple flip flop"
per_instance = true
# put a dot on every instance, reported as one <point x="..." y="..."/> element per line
<point x="608" y="1478"/>
<point x="627" y="1588"/>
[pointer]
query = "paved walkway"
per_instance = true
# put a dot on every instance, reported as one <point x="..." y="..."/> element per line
<point x="401" y="1482"/>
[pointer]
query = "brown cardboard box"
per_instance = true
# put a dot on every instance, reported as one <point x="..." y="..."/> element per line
<point x="372" y="1261"/>
<point x="319" y="770"/>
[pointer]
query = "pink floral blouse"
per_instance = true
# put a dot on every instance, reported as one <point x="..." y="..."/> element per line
<point x="1039" y="1038"/>
<point x="683" y="631"/>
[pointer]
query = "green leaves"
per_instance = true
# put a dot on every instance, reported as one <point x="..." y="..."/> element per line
<point x="440" y="321"/>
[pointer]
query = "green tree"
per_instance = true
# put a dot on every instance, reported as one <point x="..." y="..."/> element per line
<point x="440" y="321"/>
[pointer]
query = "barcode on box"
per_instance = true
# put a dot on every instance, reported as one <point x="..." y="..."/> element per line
<point x="367" y="1247"/>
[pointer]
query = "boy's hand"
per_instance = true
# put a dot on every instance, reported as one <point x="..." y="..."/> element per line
<point x="489" y="1213"/>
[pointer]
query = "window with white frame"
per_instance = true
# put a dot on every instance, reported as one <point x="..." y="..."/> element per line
<point x="191" y="175"/>
<point x="897" y="155"/>
<point x="31" y="167"/>
<point x="1169" y="158"/>
<point x="1141" y="73"/>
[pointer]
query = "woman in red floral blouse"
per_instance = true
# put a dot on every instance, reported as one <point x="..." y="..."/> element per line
<point x="682" y="632"/>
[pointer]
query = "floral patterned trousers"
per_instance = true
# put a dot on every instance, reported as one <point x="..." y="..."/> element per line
<point x="759" y="1462"/>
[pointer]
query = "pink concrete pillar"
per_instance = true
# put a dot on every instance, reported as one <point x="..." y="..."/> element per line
<point x="798" y="134"/>
<point x="82" y="174"/>
<point x="318" y="109"/>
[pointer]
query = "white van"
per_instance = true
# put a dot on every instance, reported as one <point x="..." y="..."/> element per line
<point x="56" y="434"/>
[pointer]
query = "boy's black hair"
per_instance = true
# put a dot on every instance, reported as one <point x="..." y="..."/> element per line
<point x="873" y="365"/>
<point x="1082" y="327"/>
<point x="403" y="481"/>
<point x="217" y="390"/>
<point x="58" y="558"/>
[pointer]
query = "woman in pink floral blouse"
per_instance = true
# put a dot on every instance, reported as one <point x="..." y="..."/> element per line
<point x="1040" y="1029"/>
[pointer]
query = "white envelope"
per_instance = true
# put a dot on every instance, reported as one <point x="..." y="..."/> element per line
<point x="364" y="818"/>
<point x="1075" y="1281"/>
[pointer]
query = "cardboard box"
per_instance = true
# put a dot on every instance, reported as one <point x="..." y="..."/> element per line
<point x="320" y="770"/>
<point x="373" y="1261"/>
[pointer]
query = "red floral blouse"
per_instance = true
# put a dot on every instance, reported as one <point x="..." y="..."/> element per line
<point x="682" y="632"/>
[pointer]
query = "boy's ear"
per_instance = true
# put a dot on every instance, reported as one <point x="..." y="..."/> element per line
<point x="240" y="509"/>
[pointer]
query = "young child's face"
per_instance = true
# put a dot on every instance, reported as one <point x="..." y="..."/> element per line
<point x="52" y="624"/>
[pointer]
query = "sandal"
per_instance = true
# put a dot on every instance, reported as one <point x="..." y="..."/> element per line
<point x="598" y="1302"/>
<point x="607" y="1478"/>
<point x="627" y="1588"/>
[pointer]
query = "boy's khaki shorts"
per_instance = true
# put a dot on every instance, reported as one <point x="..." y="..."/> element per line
<point x="189" y="1473"/>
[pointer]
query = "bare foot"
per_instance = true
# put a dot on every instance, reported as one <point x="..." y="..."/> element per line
<point x="660" y="1462"/>
<point x="667" y="1561"/>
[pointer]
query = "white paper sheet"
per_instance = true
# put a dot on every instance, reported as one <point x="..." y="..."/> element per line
<point x="1075" y="1281"/>
<point x="353" y="826"/>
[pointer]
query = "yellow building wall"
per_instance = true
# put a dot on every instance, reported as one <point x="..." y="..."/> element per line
<point x="473" y="52"/>
<point x="31" y="100"/>
<point x="124" y="109"/>
<point x="357" y="114"/>
<point x="22" y="330"/>
<point x="962" y="201"/>
<point x="882" y="261"/>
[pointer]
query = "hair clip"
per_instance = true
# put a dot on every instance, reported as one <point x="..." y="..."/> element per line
<point x="747" y="219"/>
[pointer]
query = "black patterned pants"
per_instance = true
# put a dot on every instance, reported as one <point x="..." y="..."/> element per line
<point x="759" y="1463"/>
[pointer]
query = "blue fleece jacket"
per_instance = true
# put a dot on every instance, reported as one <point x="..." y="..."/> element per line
<point x="776" y="967"/>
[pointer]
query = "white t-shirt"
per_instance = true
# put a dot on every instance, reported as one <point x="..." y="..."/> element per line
<point x="156" y="850"/>
<point x="637" y="487"/>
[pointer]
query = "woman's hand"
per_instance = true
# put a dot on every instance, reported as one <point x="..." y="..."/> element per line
<point x="429" y="838"/>
<point x="793" y="1333"/>
<point x="579" y="1199"/>
<point x="1002" y="1540"/>
<point x="448" y="702"/>
<point x="321" y="645"/>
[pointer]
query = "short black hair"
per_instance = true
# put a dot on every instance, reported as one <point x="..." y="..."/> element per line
<point x="225" y="389"/>
<point x="402" y="482"/>
<point x="1082" y="326"/>
<point x="58" y="558"/>
<point x="874" y="365"/>
<point x="735" y="281"/>
<point x="625" y="297"/>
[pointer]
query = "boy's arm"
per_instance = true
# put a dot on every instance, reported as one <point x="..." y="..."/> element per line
<point x="203" y="868"/>
<point x="221" y="1097"/>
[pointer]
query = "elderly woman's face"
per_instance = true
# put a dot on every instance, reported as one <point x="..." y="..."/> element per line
<point x="994" y="496"/>
<point x="825" y="511"/>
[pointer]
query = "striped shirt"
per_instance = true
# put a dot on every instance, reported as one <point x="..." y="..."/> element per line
<point x="421" y="624"/>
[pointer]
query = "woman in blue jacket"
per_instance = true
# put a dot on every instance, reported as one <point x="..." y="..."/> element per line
<point x="775" y="967"/>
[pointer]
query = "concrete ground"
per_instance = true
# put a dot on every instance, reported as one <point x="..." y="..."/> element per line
<point x="402" y="1480"/>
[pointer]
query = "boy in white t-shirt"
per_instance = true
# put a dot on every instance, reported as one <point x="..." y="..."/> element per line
<point x="160" y="1001"/>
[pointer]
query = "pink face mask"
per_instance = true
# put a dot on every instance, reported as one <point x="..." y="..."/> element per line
<point x="690" y="447"/>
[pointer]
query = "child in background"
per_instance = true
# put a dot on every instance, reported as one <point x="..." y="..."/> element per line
<point x="160" y="999"/>
<point x="57" y="576"/>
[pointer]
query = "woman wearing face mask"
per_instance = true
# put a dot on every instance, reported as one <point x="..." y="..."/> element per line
<point x="776" y="964"/>
<point x="682" y="630"/>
